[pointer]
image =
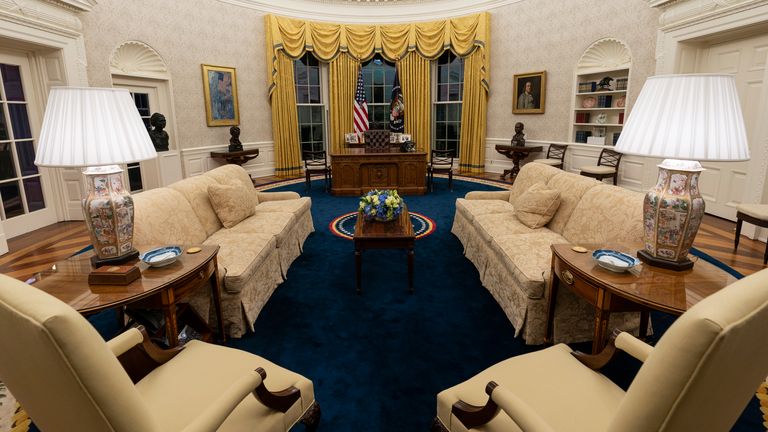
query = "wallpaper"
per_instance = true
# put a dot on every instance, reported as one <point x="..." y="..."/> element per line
<point x="186" y="34"/>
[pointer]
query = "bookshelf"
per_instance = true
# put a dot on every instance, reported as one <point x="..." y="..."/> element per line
<point x="599" y="112"/>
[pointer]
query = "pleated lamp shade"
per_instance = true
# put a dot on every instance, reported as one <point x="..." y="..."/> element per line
<point x="85" y="126"/>
<point x="691" y="117"/>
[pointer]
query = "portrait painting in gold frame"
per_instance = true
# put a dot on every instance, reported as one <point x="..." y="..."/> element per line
<point x="220" y="91"/>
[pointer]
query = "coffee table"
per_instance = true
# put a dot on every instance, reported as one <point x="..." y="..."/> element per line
<point x="652" y="288"/>
<point x="160" y="288"/>
<point x="397" y="234"/>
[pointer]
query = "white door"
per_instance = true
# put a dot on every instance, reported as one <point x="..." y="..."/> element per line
<point x="724" y="184"/>
<point x="24" y="189"/>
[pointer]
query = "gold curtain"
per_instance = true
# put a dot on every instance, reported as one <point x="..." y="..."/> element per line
<point x="343" y="83"/>
<point x="474" y="108"/>
<point x="285" y="122"/>
<point x="414" y="73"/>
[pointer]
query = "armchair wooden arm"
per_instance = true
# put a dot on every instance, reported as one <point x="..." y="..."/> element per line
<point x="143" y="357"/>
<point x="500" y="398"/>
<point x="618" y="339"/>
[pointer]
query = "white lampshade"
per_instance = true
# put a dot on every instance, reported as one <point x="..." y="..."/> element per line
<point x="693" y="117"/>
<point x="86" y="126"/>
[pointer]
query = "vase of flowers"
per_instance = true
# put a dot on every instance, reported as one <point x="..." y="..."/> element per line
<point x="383" y="206"/>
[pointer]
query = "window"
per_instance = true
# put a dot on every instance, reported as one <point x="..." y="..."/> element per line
<point x="378" y="75"/>
<point x="450" y="87"/>
<point x="309" y="103"/>
<point x="141" y="100"/>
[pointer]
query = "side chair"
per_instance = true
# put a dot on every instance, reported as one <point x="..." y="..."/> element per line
<point x="316" y="163"/>
<point x="68" y="378"/>
<point x="441" y="162"/>
<point x="607" y="166"/>
<point x="555" y="156"/>
<point x="699" y="377"/>
<point x="756" y="214"/>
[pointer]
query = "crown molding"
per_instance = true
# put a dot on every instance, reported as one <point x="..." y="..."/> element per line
<point x="75" y="5"/>
<point x="371" y="12"/>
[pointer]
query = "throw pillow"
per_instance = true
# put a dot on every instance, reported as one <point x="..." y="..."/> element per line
<point x="536" y="206"/>
<point x="231" y="202"/>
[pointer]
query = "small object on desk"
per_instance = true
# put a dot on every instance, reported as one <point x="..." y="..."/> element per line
<point x="614" y="261"/>
<point x="579" y="249"/>
<point x="114" y="275"/>
<point x="161" y="256"/>
<point x="193" y="250"/>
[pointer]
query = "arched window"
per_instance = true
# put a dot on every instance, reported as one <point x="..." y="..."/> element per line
<point x="378" y="75"/>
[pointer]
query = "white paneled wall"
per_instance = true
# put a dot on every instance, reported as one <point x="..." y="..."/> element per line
<point x="198" y="160"/>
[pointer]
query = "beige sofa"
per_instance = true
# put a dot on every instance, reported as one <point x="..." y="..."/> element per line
<point x="514" y="260"/>
<point x="254" y="255"/>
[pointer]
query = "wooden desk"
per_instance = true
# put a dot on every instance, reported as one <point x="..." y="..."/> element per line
<point x="516" y="153"/>
<point x="355" y="172"/>
<point x="160" y="287"/>
<point x="654" y="288"/>
<point x="397" y="234"/>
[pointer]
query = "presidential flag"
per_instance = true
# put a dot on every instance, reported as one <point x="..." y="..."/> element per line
<point x="360" y="107"/>
<point x="397" y="108"/>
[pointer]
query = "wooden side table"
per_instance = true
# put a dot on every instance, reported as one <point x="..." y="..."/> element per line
<point x="517" y="154"/>
<point x="654" y="288"/>
<point x="160" y="288"/>
<point x="397" y="234"/>
<point x="238" y="157"/>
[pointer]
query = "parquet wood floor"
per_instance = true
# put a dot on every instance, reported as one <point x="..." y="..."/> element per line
<point x="37" y="250"/>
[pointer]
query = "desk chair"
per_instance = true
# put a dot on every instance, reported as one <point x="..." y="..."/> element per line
<point x="316" y="163"/>
<point x="756" y="214"/>
<point x="377" y="140"/>
<point x="67" y="378"/>
<point x="441" y="162"/>
<point x="607" y="166"/>
<point x="699" y="376"/>
<point x="555" y="156"/>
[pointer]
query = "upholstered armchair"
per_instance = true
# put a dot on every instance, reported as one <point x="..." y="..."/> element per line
<point x="67" y="378"/>
<point x="699" y="377"/>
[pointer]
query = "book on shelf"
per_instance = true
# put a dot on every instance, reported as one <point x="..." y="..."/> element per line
<point x="621" y="118"/>
<point x="581" y="136"/>
<point x="621" y="83"/>
<point x="582" y="117"/>
<point x="604" y="101"/>
<point x="616" y="137"/>
<point x="587" y="87"/>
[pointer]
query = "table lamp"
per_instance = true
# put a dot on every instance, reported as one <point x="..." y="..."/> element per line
<point x="683" y="119"/>
<point x="97" y="128"/>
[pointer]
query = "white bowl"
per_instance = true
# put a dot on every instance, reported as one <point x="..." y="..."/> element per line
<point x="614" y="261"/>
<point x="161" y="256"/>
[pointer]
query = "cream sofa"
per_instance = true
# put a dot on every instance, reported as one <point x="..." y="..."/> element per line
<point x="254" y="255"/>
<point x="514" y="260"/>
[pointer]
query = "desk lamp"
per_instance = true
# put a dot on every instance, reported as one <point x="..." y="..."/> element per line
<point x="98" y="128"/>
<point x="683" y="119"/>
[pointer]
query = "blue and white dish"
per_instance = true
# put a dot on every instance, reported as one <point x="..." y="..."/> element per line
<point x="614" y="261"/>
<point x="161" y="256"/>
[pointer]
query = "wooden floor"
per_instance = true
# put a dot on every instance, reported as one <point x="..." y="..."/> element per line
<point x="36" y="251"/>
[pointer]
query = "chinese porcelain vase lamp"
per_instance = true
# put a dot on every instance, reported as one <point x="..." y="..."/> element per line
<point x="683" y="119"/>
<point x="98" y="128"/>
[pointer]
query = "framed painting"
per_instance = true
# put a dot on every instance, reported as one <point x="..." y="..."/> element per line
<point x="220" y="91"/>
<point x="529" y="93"/>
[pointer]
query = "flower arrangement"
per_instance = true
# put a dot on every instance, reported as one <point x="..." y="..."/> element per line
<point x="385" y="205"/>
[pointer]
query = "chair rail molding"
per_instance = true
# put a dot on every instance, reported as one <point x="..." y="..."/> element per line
<point x="197" y="160"/>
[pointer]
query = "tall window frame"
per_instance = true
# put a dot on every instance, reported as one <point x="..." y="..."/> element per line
<point x="310" y="81"/>
<point x="448" y="90"/>
<point x="378" y="75"/>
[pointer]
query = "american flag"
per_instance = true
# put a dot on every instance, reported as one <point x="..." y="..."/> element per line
<point x="360" y="107"/>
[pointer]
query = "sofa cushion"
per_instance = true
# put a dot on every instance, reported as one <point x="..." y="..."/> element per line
<point x="232" y="203"/>
<point x="232" y="174"/>
<point x="295" y="206"/>
<point x="529" y="257"/>
<point x="494" y="225"/>
<point x="572" y="187"/>
<point x="195" y="190"/>
<point x="473" y="208"/>
<point x="164" y="217"/>
<point x="606" y="214"/>
<point x="241" y="259"/>
<point x="272" y="223"/>
<point x="529" y="175"/>
<point x="536" y="206"/>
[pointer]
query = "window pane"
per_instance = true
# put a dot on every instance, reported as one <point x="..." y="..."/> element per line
<point x="302" y="94"/>
<point x="306" y="133"/>
<point x="378" y="94"/>
<point x="317" y="114"/>
<point x="11" y="199"/>
<point x="34" y="193"/>
<point x="453" y="92"/>
<point x="314" y="76"/>
<point x="12" y="82"/>
<point x="314" y="94"/>
<point x="26" y="153"/>
<point x="452" y="131"/>
<point x="3" y="127"/>
<point x="141" y="100"/>
<point x="440" y="112"/>
<point x="301" y="75"/>
<point x="442" y="92"/>
<point x="317" y="133"/>
<point x="378" y="77"/>
<point x="134" y="177"/>
<point x="453" y="112"/>
<point x="440" y="131"/>
<point x="442" y="74"/>
<point x="7" y="169"/>
<point x="19" y="121"/>
<point x="145" y="120"/>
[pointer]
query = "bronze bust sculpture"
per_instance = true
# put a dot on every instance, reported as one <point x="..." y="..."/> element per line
<point x="519" y="139"/>
<point x="234" y="141"/>
<point x="157" y="134"/>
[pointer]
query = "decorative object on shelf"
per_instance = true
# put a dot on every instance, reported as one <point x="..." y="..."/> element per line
<point x="98" y="128"/>
<point x="605" y="84"/>
<point x="518" y="140"/>
<point x="162" y="256"/>
<point x="602" y="118"/>
<point x="621" y="102"/>
<point x="614" y="261"/>
<point x="671" y="120"/>
<point x="220" y="91"/>
<point x="383" y="206"/>
<point x="589" y="102"/>
<point x="621" y="83"/>
<point x="157" y="134"/>
<point x="529" y="93"/>
<point x="234" y="140"/>
<point x="598" y="131"/>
